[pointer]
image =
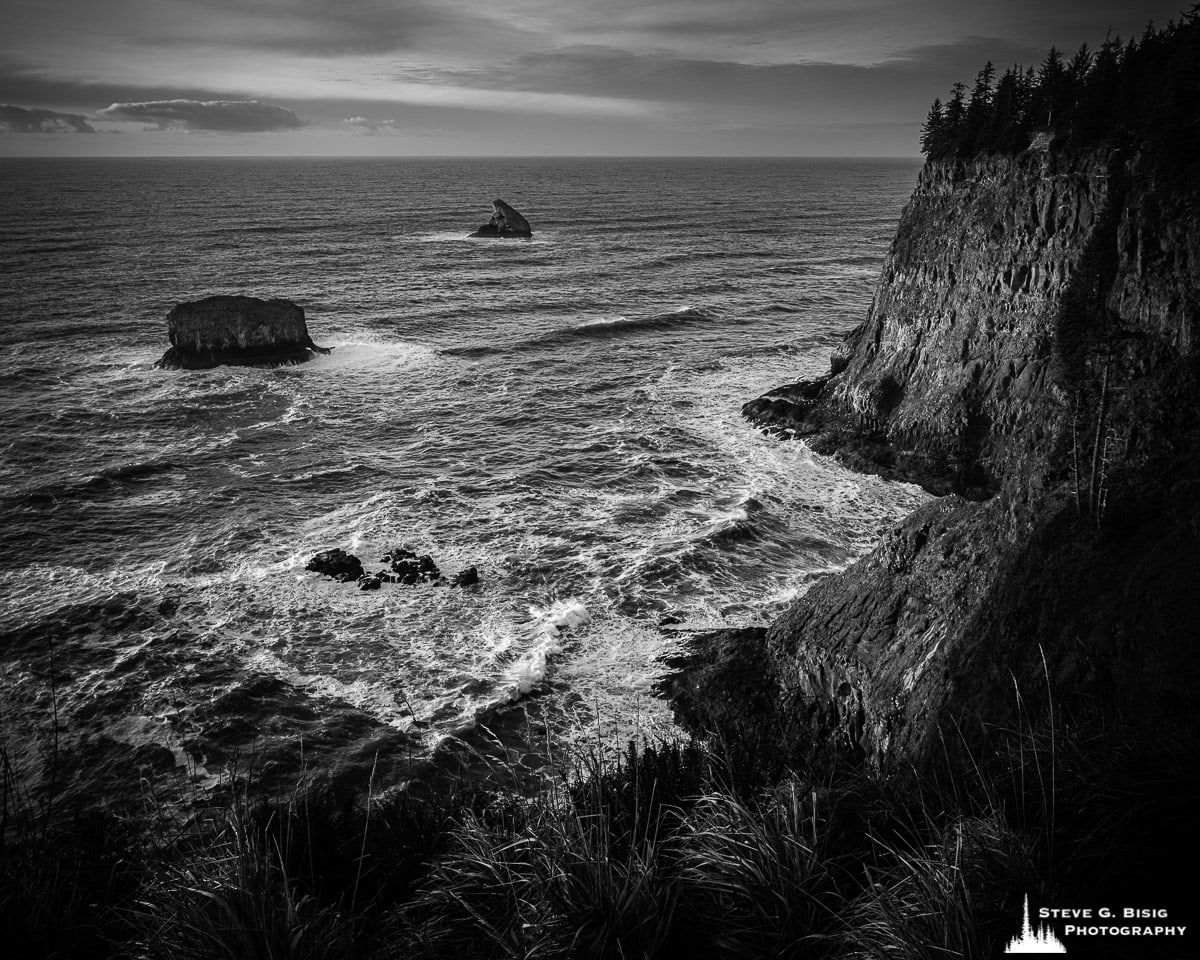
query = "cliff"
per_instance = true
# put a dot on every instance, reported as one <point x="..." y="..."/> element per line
<point x="242" y="331"/>
<point x="1030" y="353"/>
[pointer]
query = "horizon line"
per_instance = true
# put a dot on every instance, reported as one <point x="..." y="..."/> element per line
<point x="470" y="157"/>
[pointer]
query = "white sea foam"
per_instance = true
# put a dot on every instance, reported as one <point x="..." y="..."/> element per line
<point x="547" y="629"/>
<point x="373" y="354"/>
<point x="464" y="236"/>
<point x="606" y="322"/>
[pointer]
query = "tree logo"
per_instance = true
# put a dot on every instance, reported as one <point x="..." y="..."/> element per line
<point x="1034" y="939"/>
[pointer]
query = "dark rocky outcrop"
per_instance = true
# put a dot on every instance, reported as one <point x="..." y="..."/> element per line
<point x="337" y="563"/>
<point x="237" y="331"/>
<point x="505" y="222"/>
<point x="404" y="567"/>
<point x="1031" y="349"/>
<point x="408" y="568"/>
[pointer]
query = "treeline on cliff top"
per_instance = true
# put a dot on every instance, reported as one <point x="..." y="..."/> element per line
<point x="1145" y="90"/>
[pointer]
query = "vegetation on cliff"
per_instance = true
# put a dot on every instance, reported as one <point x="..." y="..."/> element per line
<point x="1141" y="90"/>
<point x="670" y="852"/>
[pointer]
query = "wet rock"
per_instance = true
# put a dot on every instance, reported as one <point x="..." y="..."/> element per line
<point x="337" y="563"/>
<point x="718" y="686"/>
<point x="505" y="222"/>
<point x="370" y="581"/>
<point x="409" y="569"/>
<point x="237" y="331"/>
<point x="465" y="578"/>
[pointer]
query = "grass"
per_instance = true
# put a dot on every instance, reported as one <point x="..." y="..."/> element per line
<point x="663" y="853"/>
<point x="227" y="892"/>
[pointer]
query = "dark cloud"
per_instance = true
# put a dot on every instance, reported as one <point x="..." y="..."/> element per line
<point x="320" y="28"/>
<point x="24" y="83"/>
<point x="966" y="56"/>
<point x="879" y="22"/>
<point x="35" y="120"/>
<point x="710" y="87"/>
<point x="227" y="116"/>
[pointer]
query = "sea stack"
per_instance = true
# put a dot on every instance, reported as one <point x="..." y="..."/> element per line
<point x="237" y="331"/>
<point x="505" y="222"/>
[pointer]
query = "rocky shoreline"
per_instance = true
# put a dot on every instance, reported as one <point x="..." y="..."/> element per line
<point x="1029" y="357"/>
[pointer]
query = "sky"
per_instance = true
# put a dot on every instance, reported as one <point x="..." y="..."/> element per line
<point x="511" y="77"/>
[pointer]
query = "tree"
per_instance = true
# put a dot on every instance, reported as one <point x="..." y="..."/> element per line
<point x="1002" y="132"/>
<point x="956" y="115"/>
<point x="1048" y="95"/>
<point x="933" y="131"/>
<point x="978" y="110"/>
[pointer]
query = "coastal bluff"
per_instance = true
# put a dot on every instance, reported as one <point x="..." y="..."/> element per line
<point x="237" y="331"/>
<point x="1030" y="355"/>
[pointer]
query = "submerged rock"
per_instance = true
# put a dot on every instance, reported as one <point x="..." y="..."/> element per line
<point x="505" y="222"/>
<point x="238" y="331"/>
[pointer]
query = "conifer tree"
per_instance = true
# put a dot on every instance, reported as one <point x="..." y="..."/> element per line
<point x="932" y="132"/>
<point x="1002" y="131"/>
<point x="1049" y="91"/>
<point x="1148" y="90"/>
<point x="978" y="110"/>
<point x="956" y="115"/>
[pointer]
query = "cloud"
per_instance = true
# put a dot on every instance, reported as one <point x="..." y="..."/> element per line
<point x="966" y="56"/>
<point x="367" y="125"/>
<point x="226" y="116"/>
<point x="660" y="82"/>
<point x="35" y="120"/>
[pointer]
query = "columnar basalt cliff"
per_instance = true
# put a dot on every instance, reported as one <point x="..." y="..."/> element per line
<point x="239" y="331"/>
<point x="950" y="381"/>
<point x="1031" y="353"/>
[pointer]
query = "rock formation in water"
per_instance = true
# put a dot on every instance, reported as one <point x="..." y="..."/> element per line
<point x="505" y="222"/>
<point x="1031" y="353"/>
<point x="338" y="564"/>
<point x="404" y="567"/>
<point x="408" y="568"/>
<point x="238" y="331"/>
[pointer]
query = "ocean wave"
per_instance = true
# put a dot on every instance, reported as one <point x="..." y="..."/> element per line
<point x="548" y="627"/>
<point x="621" y="326"/>
<point x="111" y="481"/>
<point x="607" y="328"/>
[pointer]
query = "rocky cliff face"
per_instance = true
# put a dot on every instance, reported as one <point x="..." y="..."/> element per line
<point x="1010" y="282"/>
<point x="1032" y="350"/>
<point x="242" y="331"/>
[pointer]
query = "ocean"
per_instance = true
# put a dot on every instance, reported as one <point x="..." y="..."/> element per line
<point x="561" y="413"/>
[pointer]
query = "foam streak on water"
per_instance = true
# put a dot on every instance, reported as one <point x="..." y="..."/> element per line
<point x="560" y="413"/>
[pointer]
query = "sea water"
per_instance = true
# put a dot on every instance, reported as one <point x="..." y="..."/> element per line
<point x="561" y="413"/>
